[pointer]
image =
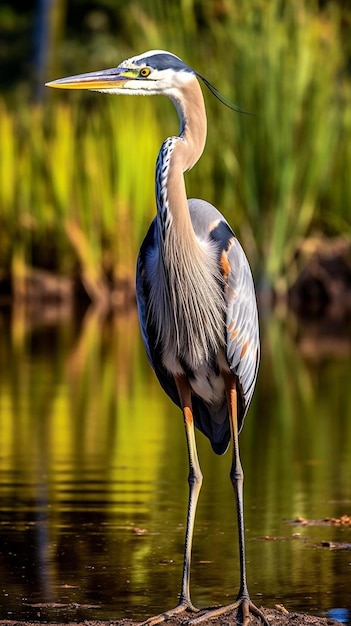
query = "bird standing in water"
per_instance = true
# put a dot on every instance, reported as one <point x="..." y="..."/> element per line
<point x="195" y="293"/>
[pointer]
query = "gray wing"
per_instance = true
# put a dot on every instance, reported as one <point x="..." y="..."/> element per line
<point x="243" y="343"/>
<point x="242" y="329"/>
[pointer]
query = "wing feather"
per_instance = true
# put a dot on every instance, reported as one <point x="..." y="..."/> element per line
<point x="243" y="344"/>
<point x="152" y="347"/>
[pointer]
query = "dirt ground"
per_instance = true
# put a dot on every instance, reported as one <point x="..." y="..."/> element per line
<point x="276" y="617"/>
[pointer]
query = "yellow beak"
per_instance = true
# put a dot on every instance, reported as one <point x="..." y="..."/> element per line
<point x="104" y="79"/>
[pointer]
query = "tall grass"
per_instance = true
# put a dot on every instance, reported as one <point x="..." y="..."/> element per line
<point x="284" y="67"/>
<point x="76" y="189"/>
<point x="76" y="176"/>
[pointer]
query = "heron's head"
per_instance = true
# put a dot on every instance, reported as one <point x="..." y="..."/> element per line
<point x="154" y="72"/>
<point x="151" y="73"/>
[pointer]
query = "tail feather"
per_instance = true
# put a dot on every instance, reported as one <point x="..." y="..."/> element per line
<point x="214" y="424"/>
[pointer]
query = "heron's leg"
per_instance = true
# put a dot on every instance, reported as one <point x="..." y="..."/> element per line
<point x="195" y="482"/>
<point x="237" y="477"/>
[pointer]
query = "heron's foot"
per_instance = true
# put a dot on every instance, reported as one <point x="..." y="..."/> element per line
<point x="243" y="603"/>
<point x="182" y="607"/>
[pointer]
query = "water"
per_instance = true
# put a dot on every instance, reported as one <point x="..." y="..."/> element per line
<point x="93" y="473"/>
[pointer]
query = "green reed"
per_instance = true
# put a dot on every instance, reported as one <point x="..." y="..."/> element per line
<point x="69" y="192"/>
<point x="77" y="176"/>
<point x="284" y="68"/>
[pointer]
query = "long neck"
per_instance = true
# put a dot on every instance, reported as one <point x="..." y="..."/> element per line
<point x="179" y="154"/>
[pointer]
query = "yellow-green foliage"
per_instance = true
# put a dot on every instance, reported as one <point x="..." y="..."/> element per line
<point x="77" y="176"/>
<point x="77" y="186"/>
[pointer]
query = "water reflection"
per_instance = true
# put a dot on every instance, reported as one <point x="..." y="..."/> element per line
<point x="93" y="477"/>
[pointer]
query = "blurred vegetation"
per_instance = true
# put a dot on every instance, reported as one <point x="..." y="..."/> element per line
<point x="77" y="171"/>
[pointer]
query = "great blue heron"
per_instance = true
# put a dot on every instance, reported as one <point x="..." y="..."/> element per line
<point x="196" y="297"/>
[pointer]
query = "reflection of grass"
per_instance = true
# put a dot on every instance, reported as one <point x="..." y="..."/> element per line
<point x="82" y="411"/>
<point x="86" y="429"/>
<point x="76" y="182"/>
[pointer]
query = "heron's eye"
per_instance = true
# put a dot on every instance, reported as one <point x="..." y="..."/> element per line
<point x="145" y="72"/>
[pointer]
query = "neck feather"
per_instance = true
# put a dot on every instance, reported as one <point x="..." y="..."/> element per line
<point x="179" y="154"/>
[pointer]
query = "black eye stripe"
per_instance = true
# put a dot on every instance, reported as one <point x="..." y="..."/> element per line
<point x="165" y="61"/>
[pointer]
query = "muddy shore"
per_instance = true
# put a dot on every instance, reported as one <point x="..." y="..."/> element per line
<point x="276" y="617"/>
